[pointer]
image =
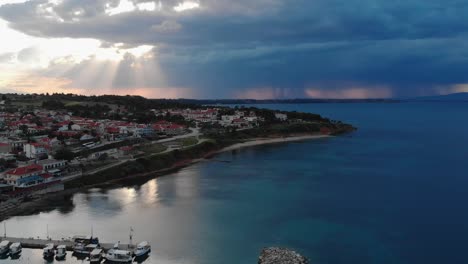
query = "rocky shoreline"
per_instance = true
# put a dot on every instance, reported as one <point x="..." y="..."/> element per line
<point x="275" y="255"/>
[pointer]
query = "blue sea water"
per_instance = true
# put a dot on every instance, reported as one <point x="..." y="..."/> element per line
<point x="392" y="192"/>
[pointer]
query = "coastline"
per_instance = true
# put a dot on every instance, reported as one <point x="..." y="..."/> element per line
<point x="265" y="141"/>
<point x="42" y="203"/>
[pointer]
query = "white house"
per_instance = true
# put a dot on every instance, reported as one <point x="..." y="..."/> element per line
<point x="34" y="150"/>
<point x="282" y="117"/>
<point x="51" y="164"/>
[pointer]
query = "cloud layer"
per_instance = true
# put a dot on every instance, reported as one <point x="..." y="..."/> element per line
<point x="223" y="48"/>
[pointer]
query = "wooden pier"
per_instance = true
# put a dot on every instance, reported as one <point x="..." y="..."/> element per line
<point x="40" y="243"/>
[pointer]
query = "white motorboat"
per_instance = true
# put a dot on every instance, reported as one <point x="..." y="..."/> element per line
<point x="142" y="249"/>
<point x="4" y="247"/>
<point x="119" y="255"/>
<point x="15" y="249"/>
<point x="96" y="255"/>
<point x="61" y="252"/>
<point x="48" y="251"/>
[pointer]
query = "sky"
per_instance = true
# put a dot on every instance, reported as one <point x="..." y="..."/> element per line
<point x="259" y="49"/>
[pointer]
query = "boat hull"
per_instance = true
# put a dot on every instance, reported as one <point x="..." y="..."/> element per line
<point x="16" y="252"/>
<point x="139" y="254"/>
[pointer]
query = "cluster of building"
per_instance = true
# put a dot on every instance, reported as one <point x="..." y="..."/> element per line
<point x="28" y="142"/>
<point x="241" y="119"/>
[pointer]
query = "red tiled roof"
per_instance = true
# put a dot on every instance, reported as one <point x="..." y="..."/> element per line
<point x="175" y="126"/>
<point x="24" y="170"/>
<point x="126" y="148"/>
<point x="162" y="122"/>
<point x="113" y="130"/>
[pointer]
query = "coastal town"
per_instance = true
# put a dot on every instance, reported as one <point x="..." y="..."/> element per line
<point x="44" y="147"/>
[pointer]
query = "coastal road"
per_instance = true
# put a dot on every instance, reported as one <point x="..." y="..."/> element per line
<point x="195" y="132"/>
<point x="169" y="149"/>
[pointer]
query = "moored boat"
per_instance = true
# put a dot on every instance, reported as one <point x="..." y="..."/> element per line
<point x="4" y="247"/>
<point x="96" y="255"/>
<point x="15" y="249"/>
<point x="142" y="249"/>
<point x="48" y="251"/>
<point x="81" y="244"/>
<point x="61" y="252"/>
<point x="119" y="255"/>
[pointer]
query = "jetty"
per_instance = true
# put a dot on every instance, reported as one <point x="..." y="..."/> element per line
<point x="36" y="243"/>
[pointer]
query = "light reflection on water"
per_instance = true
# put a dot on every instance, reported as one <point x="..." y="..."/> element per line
<point x="110" y="213"/>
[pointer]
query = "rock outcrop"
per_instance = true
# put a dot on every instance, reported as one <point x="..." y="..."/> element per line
<point x="274" y="255"/>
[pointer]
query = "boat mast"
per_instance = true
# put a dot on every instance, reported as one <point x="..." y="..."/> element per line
<point x="131" y="237"/>
<point x="4" y="229"/>
<point x="47" y="228"/>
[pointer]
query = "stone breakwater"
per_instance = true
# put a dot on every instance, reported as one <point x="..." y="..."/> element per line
<point x="274" y="255"/>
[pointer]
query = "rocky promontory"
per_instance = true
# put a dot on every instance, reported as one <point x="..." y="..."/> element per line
<point x="275" y="255"/>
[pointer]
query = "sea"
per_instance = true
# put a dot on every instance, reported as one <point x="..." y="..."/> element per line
<point x="395" y="191"/>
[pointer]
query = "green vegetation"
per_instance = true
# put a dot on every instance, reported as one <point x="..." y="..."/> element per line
<point x="188" y="141"/>
<point x="64" y="154"/>
<point x="147" y="164"/>
<point x="152" y="148"/>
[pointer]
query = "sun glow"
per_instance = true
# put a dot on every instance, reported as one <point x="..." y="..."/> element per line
<point x="31" y="64"/>
<point x="187" y="5"/>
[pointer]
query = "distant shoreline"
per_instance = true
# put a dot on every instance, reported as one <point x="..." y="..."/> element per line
<point x="266" y="141"/>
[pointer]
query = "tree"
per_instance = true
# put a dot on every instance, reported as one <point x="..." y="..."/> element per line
<point x="24" y="129"/>
<point x="64" y="154"/>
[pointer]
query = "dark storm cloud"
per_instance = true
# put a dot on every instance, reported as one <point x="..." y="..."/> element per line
<point x="226" y="46"/>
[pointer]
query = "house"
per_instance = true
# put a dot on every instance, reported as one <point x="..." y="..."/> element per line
<point x="240" y="123"/>
<point x="52" y="164"/>
<point x="145" y="131"/>
<point x="17" y="145"/>
<point x="35" y="150"/>
<point x="175" y="129"/>
<point x="86" y="137"/>
<point x="280" y="116"/>
<point x="23" y="175"/>
<point x="125" y="150"/>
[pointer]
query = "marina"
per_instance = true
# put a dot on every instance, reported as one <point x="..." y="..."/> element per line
<point x="37" y="243"/>
<point x="84" y="248"/>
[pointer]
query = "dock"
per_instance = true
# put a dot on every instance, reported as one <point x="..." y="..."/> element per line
<point x="36" y="243"/>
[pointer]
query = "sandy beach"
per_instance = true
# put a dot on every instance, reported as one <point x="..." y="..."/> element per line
<point x="264" y="141"/>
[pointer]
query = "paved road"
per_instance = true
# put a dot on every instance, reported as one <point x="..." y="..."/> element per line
<point x="195" y="132"/>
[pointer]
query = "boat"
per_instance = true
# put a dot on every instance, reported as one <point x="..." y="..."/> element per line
<point x="4" y="247"/>
<point x="15" y="249"/>
<point x="61" y="252"/>
<point x="48" y="251"/>
<point x="119" y="255"/>
<point x="81" y="244"/>
<point x="96" y="255"/>
<point x="142" y="249"/>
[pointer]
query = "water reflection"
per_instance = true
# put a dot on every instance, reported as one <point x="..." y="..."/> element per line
<point x="149" y="192"/>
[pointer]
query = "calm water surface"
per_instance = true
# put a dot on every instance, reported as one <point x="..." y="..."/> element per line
<point x="393" y="192"/>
